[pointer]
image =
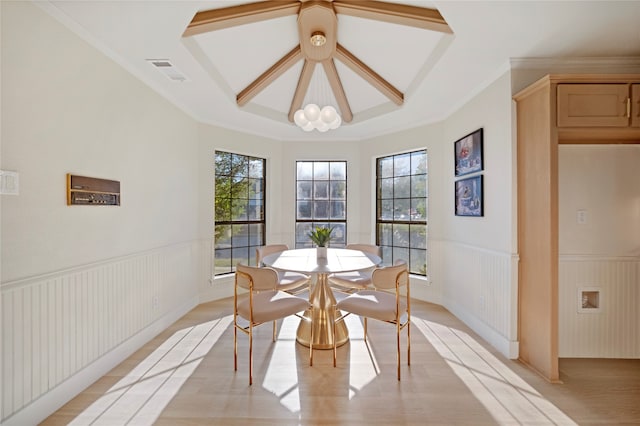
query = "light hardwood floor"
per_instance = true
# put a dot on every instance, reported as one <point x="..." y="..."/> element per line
<point x="185" y="376"/>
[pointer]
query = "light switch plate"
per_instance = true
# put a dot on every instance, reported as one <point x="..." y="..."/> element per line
<point x="9" y="183"/>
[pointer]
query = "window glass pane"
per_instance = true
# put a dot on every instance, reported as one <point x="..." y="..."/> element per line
<point x="418" y="262"/>
<point x="238" y="210"/>
<point x="321" y="210"/>
<point x="401" y="236"/>
<point x="338" y="235"/>
<point x="240" y="255"/>
<point x="385" y="167"/>
<point x="320" y="170"/>
<point x="402" y="165"/>
<point x="418" y="162"/>
<point x="418" y="209"/>
<point x="222" y="263"/>
<point x="255" y="168"/>
<point x="387" y="255"/>
<point x="418" y="236"/>
<point x="223" y="163"/>
<point x="223" y="239"/>
<point x="386" y="188"/>
<point x="239" y="166"/>
<point x="321" y="190"/>
<point x="338" y="190"/>
<point x="255" y="189"/>
<point x="338" y="210"/>
<point x="240" y="235"/>
<point x="302" y="234"/>
<point x="386" y="210"/>
<point x="338" y="171"/>
<point x="254" y="211"/>
<point x="222" y="209"/>
<point x="402" y="209"/>
<point x="304" y="210"/>
<point x="386" y="234"/>
<point x="255" y="234"/>
<point x="240" y="188"/>
<point x="304" y="170"/>
<point x="304" y="190"/>
<point x="402" y="187"/>
<point x="419" y="186"/>
<point x="401" y="253"/>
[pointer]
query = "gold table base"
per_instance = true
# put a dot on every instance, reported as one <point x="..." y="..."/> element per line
<point x="322" y="318"/>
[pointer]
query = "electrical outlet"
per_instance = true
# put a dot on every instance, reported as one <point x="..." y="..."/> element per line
<point x="582" y="217"/>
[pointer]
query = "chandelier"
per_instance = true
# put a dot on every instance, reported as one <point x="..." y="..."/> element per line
<point x="312" y="116"/>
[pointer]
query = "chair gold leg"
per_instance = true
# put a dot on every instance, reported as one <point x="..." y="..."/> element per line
<point x="250" y="354"/>
<point x="409" y="342"/>
<point x="235" y="347"/>
<point x="275" y="331"/>
<point x="365" y="329"/>
<point x="398" y="346"/>
<point x="311" y="349"/>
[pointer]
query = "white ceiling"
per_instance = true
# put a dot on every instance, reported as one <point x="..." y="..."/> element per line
<point x="436" y="72"/>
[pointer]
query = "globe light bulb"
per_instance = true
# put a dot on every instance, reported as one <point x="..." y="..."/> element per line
<point x="312" y="112"/>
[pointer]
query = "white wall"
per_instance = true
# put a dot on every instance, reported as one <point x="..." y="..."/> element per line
<point x="478" y="255"/>
<point x="82" y="285"/>
<point x="599" y="251"/>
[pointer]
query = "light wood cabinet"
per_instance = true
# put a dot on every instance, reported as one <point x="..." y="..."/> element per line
<point x="558" y="109"/>
<point x="598" y="105"/>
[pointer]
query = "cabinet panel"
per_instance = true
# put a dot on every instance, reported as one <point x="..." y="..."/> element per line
<point x="593" y="105"/>
<point x="635" y="105"/>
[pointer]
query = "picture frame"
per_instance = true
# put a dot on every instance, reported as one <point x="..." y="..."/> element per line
<point x="468" y="153"/>
<point x="469" y="196"/>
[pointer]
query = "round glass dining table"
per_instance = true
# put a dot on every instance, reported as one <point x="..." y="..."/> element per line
<point x="321" y="297"/>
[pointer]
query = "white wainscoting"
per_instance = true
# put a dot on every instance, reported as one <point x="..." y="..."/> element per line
<point x="55" y="325"/>
<point x="480" y="287"/>
<point x="613" y="330"/>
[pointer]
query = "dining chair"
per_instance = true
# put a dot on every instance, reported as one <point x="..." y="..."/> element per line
<point x="261" y="303"/>
<point x="350" y="282"/>
<point x="289" y="281"/>
<point x="385" y="303"/>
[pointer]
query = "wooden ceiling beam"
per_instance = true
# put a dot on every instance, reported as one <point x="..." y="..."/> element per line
<point x="369" y="75"/>
<point x="267" y="77"/>
<point x="338" y="91"/>
<point x="301" y="89"/>
<point x="402" y="14"/>
<point x="226" y="17"/>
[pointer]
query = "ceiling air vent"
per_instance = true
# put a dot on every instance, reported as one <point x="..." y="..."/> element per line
<point x="167" y="68"/>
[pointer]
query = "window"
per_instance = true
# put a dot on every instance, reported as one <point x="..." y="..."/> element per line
<point x="321" y="200"/>
<point x="239" y="210"/>
<point x="401" y="209"/>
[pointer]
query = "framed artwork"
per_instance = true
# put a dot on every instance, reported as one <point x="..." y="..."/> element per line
<point x="468" y="153"/>
<point x="469" y="197"/>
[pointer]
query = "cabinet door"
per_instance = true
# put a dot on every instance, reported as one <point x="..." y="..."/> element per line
<point x="593" y="105"/>
<point x="635" y="105"/>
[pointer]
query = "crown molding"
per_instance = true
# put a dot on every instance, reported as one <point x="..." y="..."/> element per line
<point x="586" y="64"/>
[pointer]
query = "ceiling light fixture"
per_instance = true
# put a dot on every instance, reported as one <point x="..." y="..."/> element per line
<point x="313" y="117"/>
<point x="318" y="39"/>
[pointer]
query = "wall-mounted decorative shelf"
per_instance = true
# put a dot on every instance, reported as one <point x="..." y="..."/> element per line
<point x="589" y="300"/>
<point x="82" y="190"/>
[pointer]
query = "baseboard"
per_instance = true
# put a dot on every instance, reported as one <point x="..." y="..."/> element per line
<point x="47" y="404"/>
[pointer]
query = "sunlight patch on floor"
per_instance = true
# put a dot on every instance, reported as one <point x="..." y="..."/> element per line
<point x="507" y="397"/>
<point x="281" y="377"/>
<point x="141" y="395"/>
<point x="363" y="366"/>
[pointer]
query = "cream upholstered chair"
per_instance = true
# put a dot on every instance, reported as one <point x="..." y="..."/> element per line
<point x="291" y="282"/>
<point x="384" y="303"/>
<point x="349" y="282"/>
<point x="262" y="303"/>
